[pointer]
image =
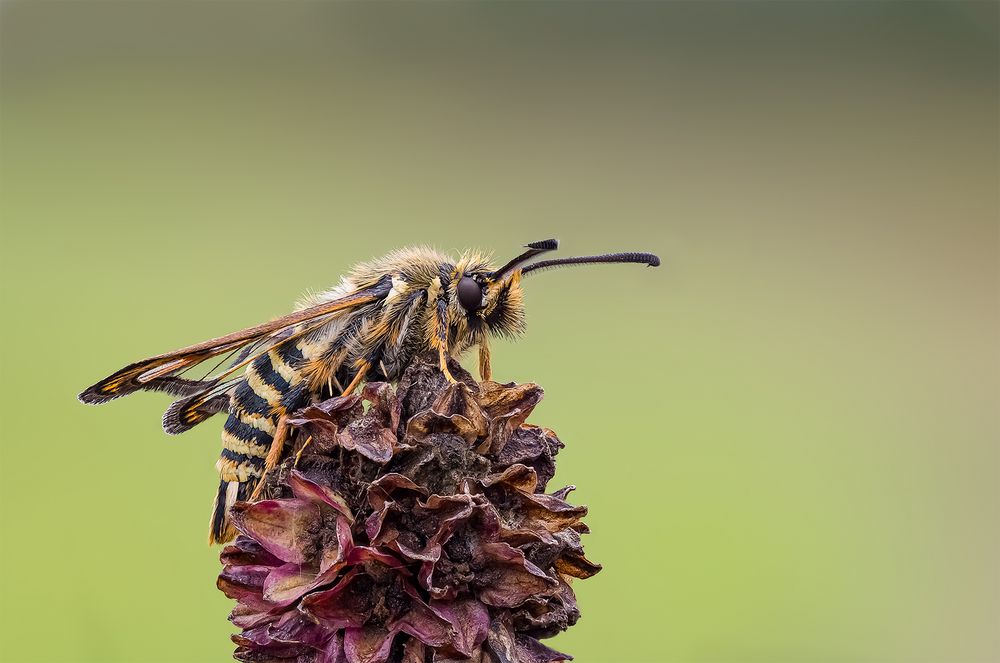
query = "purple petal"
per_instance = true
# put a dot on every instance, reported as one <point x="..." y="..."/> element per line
<point x="245" y="551"/>
<point x="469" y="618"/>
<point x="362" y="554"/>
<point x="285" y="584"/>
<point x="478" y="656"/>
<point x="251" y="575"/>
<point x="257" y="635"/>
<point x="508" y="580"/>
<point x="347" y="604"/>
<point x="388" y="487"/>
<point x="530" y="650"/>
<point x="327" y="409"/>
<point x="306" y="489"/>
<point x="374" y="522"/>
<point x="420" y="621"/>
<point x="244" y="584"/>
<point x="369" y="644"/>
<point x="295" y="627"/>
<point x="332" y="651"/>
<point x="285" y="528"/>
<point x="414" y="651"/>
<point x="334" y="555"/>
<point x="501" y="641"/>
<point x="249" y="651"/>
<point x="245" y="616"/>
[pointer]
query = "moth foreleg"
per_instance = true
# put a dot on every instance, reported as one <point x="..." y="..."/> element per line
<point x="485" y="369"/>
<point x="440" y="322"/>
<point x="363" y="367"/>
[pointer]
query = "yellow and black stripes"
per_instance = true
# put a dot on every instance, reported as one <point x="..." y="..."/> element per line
<point x="271" y="386"/>
<point x="220" y="527"/>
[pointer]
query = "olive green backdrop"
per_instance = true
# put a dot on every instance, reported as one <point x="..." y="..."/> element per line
<point x="787" y="435"/>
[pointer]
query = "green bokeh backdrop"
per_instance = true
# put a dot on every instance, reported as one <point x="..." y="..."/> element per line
<point x="787" y="435"/>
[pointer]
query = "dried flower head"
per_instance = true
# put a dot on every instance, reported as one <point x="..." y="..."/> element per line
<point x="409" y="525"/>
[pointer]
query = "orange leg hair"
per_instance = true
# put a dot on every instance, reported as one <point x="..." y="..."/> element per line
<point x="439" y="338"/>
<point x="485" y="369"/>
<point x="443" y="356"/>
<point x="273" y="454"/>
<point x="363" y="367"/>
<point x="281" y="434"/>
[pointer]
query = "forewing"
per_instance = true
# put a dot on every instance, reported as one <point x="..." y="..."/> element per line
<point x="159" y="373"/>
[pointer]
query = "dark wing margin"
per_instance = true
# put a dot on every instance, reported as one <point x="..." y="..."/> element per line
<point x="159" y="373"/>
<point x="186" y="413"/>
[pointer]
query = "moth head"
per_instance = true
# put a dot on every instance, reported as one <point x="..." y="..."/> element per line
<point x="491" y="298"/>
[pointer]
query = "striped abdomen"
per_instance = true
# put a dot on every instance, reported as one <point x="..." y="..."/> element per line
<point x="273" y="385"/>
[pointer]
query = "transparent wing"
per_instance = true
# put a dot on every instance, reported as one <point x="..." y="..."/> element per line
<point x="160" y="373"/>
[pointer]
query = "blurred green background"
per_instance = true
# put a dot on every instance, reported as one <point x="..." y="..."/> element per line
<point x="787" y="435"/>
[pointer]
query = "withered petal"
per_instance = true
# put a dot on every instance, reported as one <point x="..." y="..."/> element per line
<point x="246" y="616"/>
<point x="564" y="492"/>
<point x="327" y="409"/>
<point x="252" y="652"/>
<point x="346" y="604"/>
<point x="295" y="627"/>
<point x="551" y="512"/>
<point x="420" y="621"/>
<point x="285" y="584"/>
<point x="519" y="477"/>
<point x="469" y="618"/>
<point x="362" y="554"/>
<point x="546" y="616"/>
<point x="506" y="407"/>
<point x="500" y="640"/>
<point x="285" y="528"/>
<point x="367" y="644"/>
<point x="576" y="565"/>
<point x="454" y="411"/>
<point x="374" y="443"/>
<point x="333" y="650"/>
<point x="245" y="551"/>
<point x="530" y="650"/>
<point x="389" y="487"/>
<point x="306" y="489"/>
<point x="383" y="401"/>
<point x="414" y="651"/>
<point x="508" y="579"/>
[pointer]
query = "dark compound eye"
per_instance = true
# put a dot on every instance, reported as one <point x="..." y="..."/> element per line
<point x="470" y="295"/>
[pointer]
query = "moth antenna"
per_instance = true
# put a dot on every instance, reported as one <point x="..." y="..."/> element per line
<point x="648" y="259"/>
<point x="534" y="249"/>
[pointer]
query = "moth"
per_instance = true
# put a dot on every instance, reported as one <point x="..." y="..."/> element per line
<point x="368" y="327"/>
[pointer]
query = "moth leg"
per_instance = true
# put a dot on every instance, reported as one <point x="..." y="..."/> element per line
<point x="273" y="454"/>
<point x="363" y="367"/>
<point x="441" y="339"/>
<point x="443" y="355"/>
<point x="298" y="456"/>
<point x="485" y="369"/>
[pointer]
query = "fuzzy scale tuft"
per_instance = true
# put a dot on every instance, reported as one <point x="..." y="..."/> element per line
<point x="409" y="525"/>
